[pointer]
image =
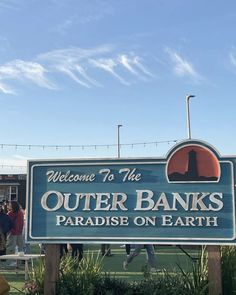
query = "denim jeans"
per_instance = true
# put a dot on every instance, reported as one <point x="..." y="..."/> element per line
<point x="13" y="241"/>
<point x="150" y="254"/>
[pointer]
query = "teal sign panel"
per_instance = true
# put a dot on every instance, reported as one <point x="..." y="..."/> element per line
<point x="188" y="197"/>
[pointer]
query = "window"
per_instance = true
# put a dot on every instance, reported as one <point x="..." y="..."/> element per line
<point x="13" y="194"/>
<point x="8" y="193"/>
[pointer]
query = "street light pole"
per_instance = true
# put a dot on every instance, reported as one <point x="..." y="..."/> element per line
<point x="188" y="115"/>
<point x="118" y="140"/>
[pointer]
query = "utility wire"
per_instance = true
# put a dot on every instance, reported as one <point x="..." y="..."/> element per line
<point x="83" y="146"/>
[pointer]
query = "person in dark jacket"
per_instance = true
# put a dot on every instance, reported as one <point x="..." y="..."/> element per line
<point x="2" y="242"/>
<point x="5" y="226"/>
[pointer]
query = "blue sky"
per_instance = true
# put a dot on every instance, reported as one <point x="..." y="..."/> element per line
<point x="72" y="70"/>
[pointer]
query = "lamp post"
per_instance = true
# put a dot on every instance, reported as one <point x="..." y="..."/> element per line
<point x="118" y="140"/>
<point x="188" y="115"/>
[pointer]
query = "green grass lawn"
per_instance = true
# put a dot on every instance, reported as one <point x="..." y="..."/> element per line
<point x="167" y="258"/>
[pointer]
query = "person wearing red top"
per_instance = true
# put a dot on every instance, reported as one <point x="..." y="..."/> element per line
<point x="15" y="237"/>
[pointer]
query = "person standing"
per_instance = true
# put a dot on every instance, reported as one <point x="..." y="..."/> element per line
<point x="106" y="250"/>
<point x="136" y="251"/>
<point x="5" y="226"/>
<point x="63" y="250"/>
<point x="127" y="249"/>
<point x="15" y="237"/>
<point x="2" y="242"/>
<point x="77" y="251"/>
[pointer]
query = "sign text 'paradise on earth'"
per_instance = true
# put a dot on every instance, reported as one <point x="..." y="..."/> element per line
<point x="187" y="197"/>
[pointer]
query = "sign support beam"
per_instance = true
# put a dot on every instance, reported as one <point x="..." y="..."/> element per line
<point x="52" y="264"/>
<point x="214" y="270"/>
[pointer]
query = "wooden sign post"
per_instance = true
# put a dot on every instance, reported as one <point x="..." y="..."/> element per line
<point x="52" y="263"/>
<point x="214" y="270"/>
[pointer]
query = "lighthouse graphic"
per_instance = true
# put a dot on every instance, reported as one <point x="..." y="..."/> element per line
<point x="192" y="172"/>
<point x="193" y="163"/>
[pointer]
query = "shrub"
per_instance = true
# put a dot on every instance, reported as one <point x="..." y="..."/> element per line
<point x="108" y="285"/>
<point x="228" y="263"/>
<point x="79" y="276"/>
<point x="196" y="281"/>
<point x="162" y="284"/>
<point x="35" y="285"/>
<point x="85" y="277"/>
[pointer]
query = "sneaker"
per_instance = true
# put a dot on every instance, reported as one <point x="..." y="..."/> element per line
<point x="109" y="255"/>
<point x="125" y="265"/>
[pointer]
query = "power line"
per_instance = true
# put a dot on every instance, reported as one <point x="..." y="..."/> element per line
<point x="83" y="146"/>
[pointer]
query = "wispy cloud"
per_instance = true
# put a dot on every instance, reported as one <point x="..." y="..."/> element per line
<point x="128" y="64"/>
<point x="76" y="20"/>
<point x="108" y="65"/>
<point x="83" y="14"/>
<point x="83" y="73"/>
<point x="134" y="65"/>
<point x="78" y="64"/>
<point x="131" y="63"/>
<point x="63" y="27"/>
<point x="70" y="72"/>
<point x="5" y="89"/>
<point x="74" y="54"/>
<point x="182" y="67"/>
<point x="24" y="70"/>
<point x="232" y="59"/>
<point x="9" y="4"/>
<point x="73" y="61"/>
<point x="4" y="44"/>
<point x="93" y="17"/>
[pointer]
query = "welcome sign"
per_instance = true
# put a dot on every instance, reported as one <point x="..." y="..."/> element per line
<point x="185" y="198"/>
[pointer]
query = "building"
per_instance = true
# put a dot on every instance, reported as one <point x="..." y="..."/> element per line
<point x="13" y="188"/>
